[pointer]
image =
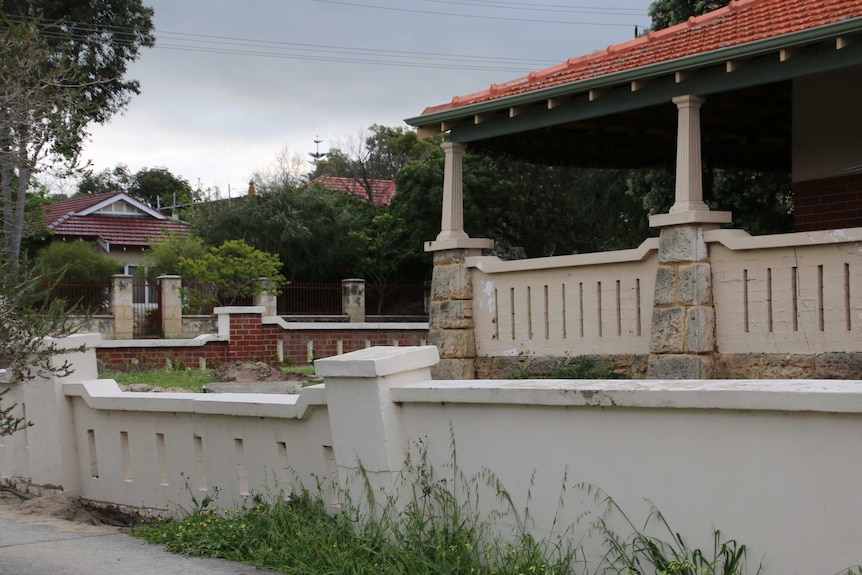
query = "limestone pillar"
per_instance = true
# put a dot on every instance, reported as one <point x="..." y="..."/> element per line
<point x="353" y="299"/>
<point x="452" y="222"/>
<point x="171" y="304"/>
<point x="450" y="308"/>
<point x="267" y="297"/>
<point x="122" y="306"/>
<point x="682" y="341"/>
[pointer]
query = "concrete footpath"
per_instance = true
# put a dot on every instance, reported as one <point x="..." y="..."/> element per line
<point x="39" y="545"/>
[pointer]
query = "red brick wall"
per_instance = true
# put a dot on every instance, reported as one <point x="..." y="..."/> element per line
<point x="325" y="342"/>
<point x="122" y="358"/>
<point x="250" y="340"/>
<point x="828" y="203"/>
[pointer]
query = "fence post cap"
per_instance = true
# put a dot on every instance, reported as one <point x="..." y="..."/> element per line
<point x="378" y="361"/>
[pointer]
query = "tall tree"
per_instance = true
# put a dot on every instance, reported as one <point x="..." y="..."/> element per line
<point x="70" y="59"/>
<point x="159" y="188"/>
<point x="666" y="13"/>
<point x="116" y="179"/>
<point x="377" y="154"/>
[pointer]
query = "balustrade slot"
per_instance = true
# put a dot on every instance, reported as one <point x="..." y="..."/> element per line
<point x="94" y="462"/>
<point x="241" y="468"/>
<point x="161" y="454"/>
<point x="512" y="310"/>
<point x="638" y="305"/>
<point x="794" y="289"/>
<point x="769" y="298"/>
<point x="563" y="297"/>
<point x="496" y="316"/>
<point x="127" y="456"/>
<point x="201" y="463"/>
<point x="745" y="299"/>
<point x="599" y="307"/>
<point x="847" y="314"/>
<point x="619" y="312"/>
<point x="547" y="325"/>
<point x="820" y="316"/>
<point x="581" y="306"/>
<point x="332" y="473"/>
<point x="529" y="313"/>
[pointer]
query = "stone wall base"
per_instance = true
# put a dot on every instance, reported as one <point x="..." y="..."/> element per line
<point x="454" y="369"/>
<point x="719" y="366"/>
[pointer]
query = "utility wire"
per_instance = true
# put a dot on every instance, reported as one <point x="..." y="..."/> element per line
<point x="476" y="16"/>
<point x="533" y="7"/>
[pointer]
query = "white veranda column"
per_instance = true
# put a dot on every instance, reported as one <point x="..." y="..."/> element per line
<point x="452" y="224"/>
<point x="689" y="173"/>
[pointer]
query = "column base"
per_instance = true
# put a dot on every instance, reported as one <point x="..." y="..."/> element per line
<point x="459" y="244"/>
<point x="680" y="366"/>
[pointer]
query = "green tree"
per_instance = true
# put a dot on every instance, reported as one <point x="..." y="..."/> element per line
<point x="159" y="188"/>
<point x="377" y="154"/>
<point x="666" y="13"/>
<point x="308" y="227"/>
<point x="164" y="256"/>
<point x="228" y="273"/>
<point x="27" y="317"/>
<point x="116" y="179"/>
<point x="77" y="262"/>
<point x="70" y="59"/>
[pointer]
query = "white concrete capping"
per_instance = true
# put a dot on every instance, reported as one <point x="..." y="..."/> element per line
<point x="198" y="341"/>
<point x="377" y="361"/>
<point x="459" y="243"/>
<point x="105" y="394"/>
<point x="86" y="339"/>
<point x="824" y="396"/>
<point x="740" y="240"/>
<point x="240" y="309"/>
<point x="494" y="265"/>
<point x="310" y="325"/>
<point x="690" y="217"/>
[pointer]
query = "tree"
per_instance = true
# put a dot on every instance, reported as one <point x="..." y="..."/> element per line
<point x="164" y="256"/>
<point x="27" y="316"/>
<point x="70" y="59"/>
<point x="77" y="262"/>
<point x="377" y="154"/>
<point x="116" y="179"/>
<point x="666" y="13"/>
<point x="159" y="188"/>
<point x="227" y="273"/>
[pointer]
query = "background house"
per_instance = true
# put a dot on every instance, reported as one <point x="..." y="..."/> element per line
<point x="118" y="223"/>
<point x="381" y="191"/>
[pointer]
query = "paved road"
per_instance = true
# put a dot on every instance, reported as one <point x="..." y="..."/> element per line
<point x="38" y="545"/>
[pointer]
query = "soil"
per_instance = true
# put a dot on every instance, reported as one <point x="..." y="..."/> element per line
<point x="61" y="509"/>
<point x="239" y="372"/>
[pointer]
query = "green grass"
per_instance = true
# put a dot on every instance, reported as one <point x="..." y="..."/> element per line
<point x="190" y="379"/>
<point x="300" y="369"/>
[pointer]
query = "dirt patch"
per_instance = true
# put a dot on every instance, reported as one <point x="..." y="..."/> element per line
<point x="63" y="507"/>
<point x="253" y="371"/>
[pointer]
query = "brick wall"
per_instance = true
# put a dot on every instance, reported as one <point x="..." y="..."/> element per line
<point x="123" y="358"/>
<point x="251" y="340"/>
<point x="329" y="342"/>
<point x="828" y="203"/>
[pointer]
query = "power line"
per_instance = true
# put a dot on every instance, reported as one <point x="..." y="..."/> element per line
<point x="533" y="7"/>
<point x="476" y="16"/>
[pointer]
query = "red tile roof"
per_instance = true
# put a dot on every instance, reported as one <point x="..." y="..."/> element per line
<point x="382" y="191"/>
<point x="65" y="220"/>
<point x="741" y="22"/>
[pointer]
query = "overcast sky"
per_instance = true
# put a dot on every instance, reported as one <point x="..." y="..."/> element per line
<point x="232" y="83"/>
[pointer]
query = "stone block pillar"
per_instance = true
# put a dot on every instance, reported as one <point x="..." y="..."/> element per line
<point x="682" y="342"/>
<point x="171" y="303"/>
<point x="122" y="306"/>
<point x="267" y="298"/>
<point x="353" y="299"/>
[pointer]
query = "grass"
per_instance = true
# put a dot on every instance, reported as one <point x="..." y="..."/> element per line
<point x="189" y="378"/>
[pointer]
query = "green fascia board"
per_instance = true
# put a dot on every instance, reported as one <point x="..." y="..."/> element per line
<point x="749" y="50"/>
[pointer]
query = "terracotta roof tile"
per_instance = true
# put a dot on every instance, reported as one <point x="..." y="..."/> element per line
<point x="382" y="191"/>
<point x="64" y="220"/>
<point x="741" y="22"/>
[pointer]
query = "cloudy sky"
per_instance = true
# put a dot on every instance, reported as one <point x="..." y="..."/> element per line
<point x="231" y="84"/>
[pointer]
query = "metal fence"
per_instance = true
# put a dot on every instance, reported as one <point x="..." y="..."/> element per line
<point x="146" y="310"/>
<point x="86" y="298"/>
<point x="395" y="299"/>
<point x="310" y="299"/>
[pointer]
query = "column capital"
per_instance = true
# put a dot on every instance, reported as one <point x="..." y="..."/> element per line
<point x="689" y="101"/>
<point x="454" y="147"/>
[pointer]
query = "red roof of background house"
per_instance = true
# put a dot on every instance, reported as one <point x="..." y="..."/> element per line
<point x="741" y="22"/>
<point x="382" y="191"/>
<point x="64" y="218"/>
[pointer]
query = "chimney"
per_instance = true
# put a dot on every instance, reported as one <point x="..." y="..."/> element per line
<point x="251" y="190"/>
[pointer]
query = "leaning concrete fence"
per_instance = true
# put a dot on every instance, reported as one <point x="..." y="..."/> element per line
<point x="772" y="464"/>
